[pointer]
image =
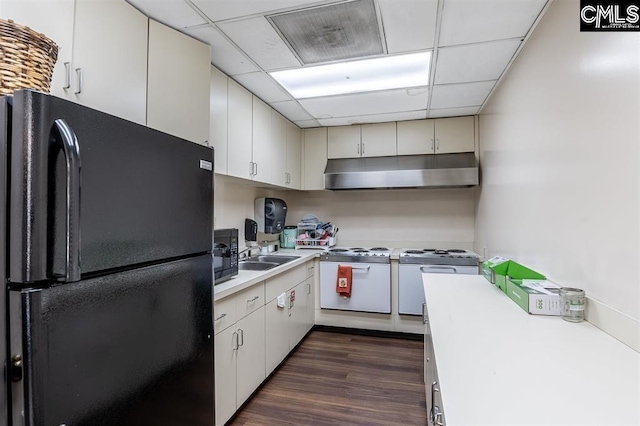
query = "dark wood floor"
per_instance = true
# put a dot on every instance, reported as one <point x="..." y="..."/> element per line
<point x="343" y="379"/>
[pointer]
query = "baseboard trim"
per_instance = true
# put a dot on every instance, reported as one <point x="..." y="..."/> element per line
<point x="613" y="322"/>
<point x="366" y="332"/>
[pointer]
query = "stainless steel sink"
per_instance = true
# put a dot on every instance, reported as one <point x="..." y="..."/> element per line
<point x="248" y="265"/>
<point x="264" y="262"/>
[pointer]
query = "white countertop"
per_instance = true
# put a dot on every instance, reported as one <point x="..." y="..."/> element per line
<point x="498" y="365"/>
<point x="246" y="279"/>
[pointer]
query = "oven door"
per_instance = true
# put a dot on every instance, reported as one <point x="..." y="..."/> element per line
<point x="370" y="287"/>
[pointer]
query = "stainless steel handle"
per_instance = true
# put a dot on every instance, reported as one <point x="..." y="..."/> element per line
<point x="289" y="305"/>
<point x="448" y="268"/>
<point x="67" y="75"/>
<point x="433" y="400"/>
<point x="220" y="317"/>
<point x="80" y="82"/>
<point x="240" y="337"/>
<point x="358" y="149"/>
<point x="253" y="299"/>
<point x="308" y="288"/>
<point x="362" y="267"/>
<point x="250" y="168"/>
<point x="362" y="148"/>
<point x="433" y="146"/>
<point x="66" y="138"/>
<point x="256" y="171"/>
<point x="425" y="318"/>
<point x="437" y="144"/>
<point x="236" y="345"/>
<point x="436" y="414"/>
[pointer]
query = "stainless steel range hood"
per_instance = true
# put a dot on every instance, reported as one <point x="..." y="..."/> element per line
<point x="402" y="171"/>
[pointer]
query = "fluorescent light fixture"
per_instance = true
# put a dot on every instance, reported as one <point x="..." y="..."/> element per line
<point x="368" y="75"/>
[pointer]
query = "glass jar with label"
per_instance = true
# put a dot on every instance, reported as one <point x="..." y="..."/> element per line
<point x="572" y="304"/>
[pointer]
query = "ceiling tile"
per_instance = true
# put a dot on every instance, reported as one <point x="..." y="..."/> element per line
<point x="257" y="38"/>
<point x="472" y="21"/>
<point x="305" y="124"/>
<point x="453" y="112"/>
<point x="460" y="95"/>
<point x="474" y="62"/>
<point x="173" y="13"/>
<point x="291" y="110"/>
<point x="263" y="86"/>
<point x="367" y="103"/>
<point x="374" y="118"/>
<point x="218" y="10"/>
<point x="405" y="33"/>
<point x="224" y="54"/>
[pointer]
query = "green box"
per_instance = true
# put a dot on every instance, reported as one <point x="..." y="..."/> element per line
<point x="513" y="270"/>
<point x="487" y="272"/>
<point x="536" y="297"/>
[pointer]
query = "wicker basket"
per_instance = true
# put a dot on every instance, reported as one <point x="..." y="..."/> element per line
<point x="27" y="58"/>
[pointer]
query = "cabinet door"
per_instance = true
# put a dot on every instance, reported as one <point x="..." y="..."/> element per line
<point x="311" y="312"/>
<point x="299" y="313"/>
<point x="294" y="159"/>
<point x="343" y="142"/>
<point x="239" y="131"/>
<point x="54" y="19"/>
<point x="378" y="140"/>
<point x="455" y="135"/>
<point x="278" y="148"/>
<point x="218" y="119"/>
<point x="277" y="334"/>
<point x="179" y="84"/>
<point x="110" y="54"/>
<point x="262" y="142"/>
<point x="315" y="157"/>
<point x="416" y="137"/>
<point x="226" y="355"/>
<point x="251" y="355"/>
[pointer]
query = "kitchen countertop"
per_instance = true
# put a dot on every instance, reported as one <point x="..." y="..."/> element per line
<point x="246" y="279"/>
<point x="498" y="365"/>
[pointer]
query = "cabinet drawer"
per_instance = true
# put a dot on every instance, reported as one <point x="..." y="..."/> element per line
<point x="311" y="269"/>
<point x="224" y="313"/>
<point x="249" y="300"/>
<point x="285" y="281"/>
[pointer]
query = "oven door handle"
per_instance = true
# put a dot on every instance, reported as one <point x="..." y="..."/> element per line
<point x="452" y="268"/>
<point x="362" y="267"/>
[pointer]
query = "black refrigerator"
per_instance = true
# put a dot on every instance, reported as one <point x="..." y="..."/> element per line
<point x="107" y="303"/>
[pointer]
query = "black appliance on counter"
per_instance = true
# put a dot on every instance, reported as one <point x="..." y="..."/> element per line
<point x="225" y="254"/>
<point x="108" y="271"/>
<point x="270" y="214"/>
<point x="250" y="230"/>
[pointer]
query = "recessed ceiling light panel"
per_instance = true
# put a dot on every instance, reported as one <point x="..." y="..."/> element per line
<point x="367" y="75"/>
<point x="330" y="33"/>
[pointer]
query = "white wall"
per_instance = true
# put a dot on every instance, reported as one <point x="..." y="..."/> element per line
<point x="559" y="158"/>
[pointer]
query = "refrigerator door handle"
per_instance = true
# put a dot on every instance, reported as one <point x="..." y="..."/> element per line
<point x="66" y="138"/>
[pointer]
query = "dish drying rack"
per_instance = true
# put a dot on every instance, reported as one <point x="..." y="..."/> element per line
<point x="307" y="236"/>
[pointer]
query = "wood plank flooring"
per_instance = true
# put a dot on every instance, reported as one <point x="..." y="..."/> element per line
<point x="343" y="379"/>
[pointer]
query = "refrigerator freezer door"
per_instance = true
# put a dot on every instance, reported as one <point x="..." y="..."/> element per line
<point x="132" y="348"/>
<point x="144" y="195"/>
<point x="4" y="123"/>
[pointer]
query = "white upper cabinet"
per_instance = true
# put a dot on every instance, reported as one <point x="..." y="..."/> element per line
<point x="261" y="142"/>
<point x="294" y="157"/>
<point x="378" y="140"/>
<point x="455" y="135"/>
<point x="278" y="148"/>
<point x="218" y="119"/>
<point x="416" y="137"/>
<point x="344" y="142"/>
<point x="315" y="157"/>
<point x="179" y="84"/>
<point x="109" y="67"/>
<point x="240" y="130"/>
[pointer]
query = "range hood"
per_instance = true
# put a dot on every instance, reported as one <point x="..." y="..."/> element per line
<point x="402" y="171"/>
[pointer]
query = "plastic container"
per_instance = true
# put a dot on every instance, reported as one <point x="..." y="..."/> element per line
<point x="288" y="237"/>
<point x="572" y="304"/>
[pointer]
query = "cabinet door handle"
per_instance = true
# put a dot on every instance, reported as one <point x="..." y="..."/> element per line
<point x="253" y="299"/>
<point x="433" y="413"/>
<point x="358" y="149"/>
<point x="250" y="168"/>
<point x="240" y="337"/>
<point x="362" y="148"/>
<point x="256" y="172"/>
<point x="220" y="317"/>
<point x="437" y="144"/>
<point x="433" y="146"/>
<point x="308" y="288"/>
<point x="289" y="305"/>
<point x="67" y="76"/>
<point x="436" y="416"/>
<point x="80" y="82"/>
<point x="425" y="318"/>
<point x="236" y="345"/>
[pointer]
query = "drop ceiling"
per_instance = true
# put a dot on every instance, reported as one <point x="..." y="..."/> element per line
<point x="472" y="43"/>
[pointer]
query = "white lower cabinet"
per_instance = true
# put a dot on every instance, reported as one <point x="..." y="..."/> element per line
<point x="225" y="374"/>
<point x="251" y="355"/>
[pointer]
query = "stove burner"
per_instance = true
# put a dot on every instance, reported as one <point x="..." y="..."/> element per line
<point x="379" y="249"/>
<point x="338" y="250"/>
<point x="356" y="248"/>
<point x="360" y="250"/>
<point x="440" y="252"/>
<point x="429" y="250"/>
<point x="456" y="251"/>
<point x="414" y="251"/>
